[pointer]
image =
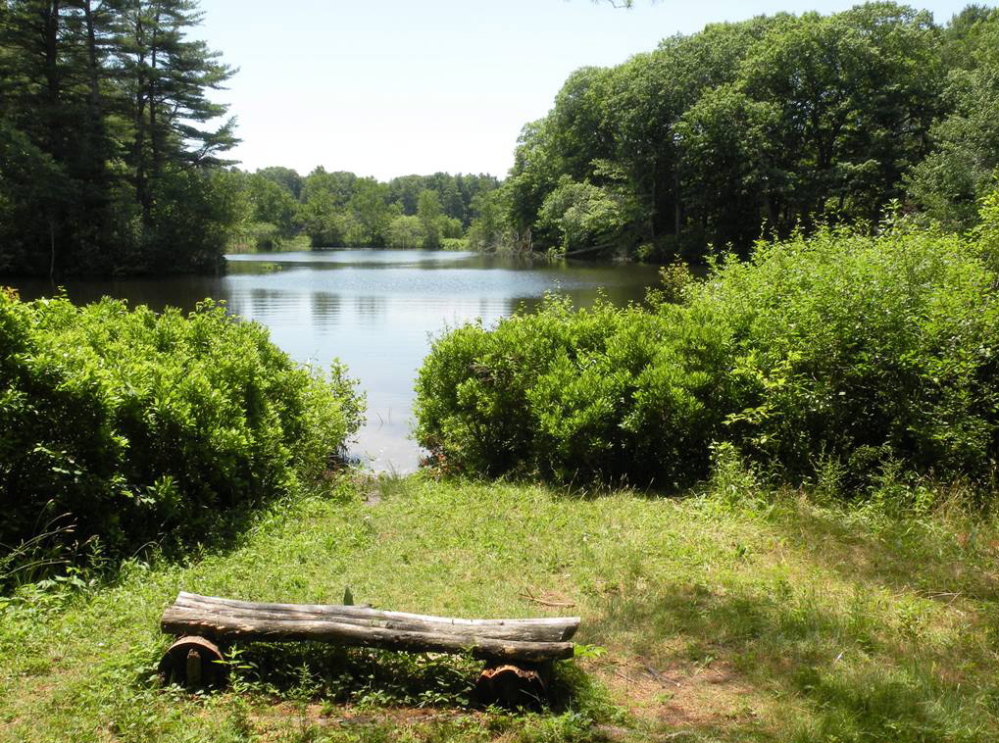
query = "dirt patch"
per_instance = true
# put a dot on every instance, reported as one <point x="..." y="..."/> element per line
<point x="680" y="695"/>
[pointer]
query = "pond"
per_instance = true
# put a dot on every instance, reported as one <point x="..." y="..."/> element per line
<point x="376" y="310"/>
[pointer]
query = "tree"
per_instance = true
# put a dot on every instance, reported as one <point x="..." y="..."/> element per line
<point x="857" y="93"/>
<point x="727" y="148"/>
<point x="489" y="229"/>
<point x="429" y="212"/>
<point x="585" y="216"/>
<point x="50" y="58"/>
<point x="782" y="121"/>
<point x="111" y="100"/>
<point x="962" y="168"/>
<point x="167" y="77"/>
<point x="371" y="212"/>
<point x="406" y="231"/>
<point x="287" y="178"/>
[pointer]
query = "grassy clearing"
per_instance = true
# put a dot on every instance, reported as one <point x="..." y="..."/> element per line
<point x="720" y="619"/>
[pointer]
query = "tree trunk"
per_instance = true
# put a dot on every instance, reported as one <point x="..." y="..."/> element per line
<point x="513" y="686"/>
<point x="52" y="51"/>
<point x="139" y="146"/>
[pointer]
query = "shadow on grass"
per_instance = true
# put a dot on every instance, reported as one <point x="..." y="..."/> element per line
<point x="852" y="677"/>
<point x="934" y="559"/>
<point x="319" y="671"/>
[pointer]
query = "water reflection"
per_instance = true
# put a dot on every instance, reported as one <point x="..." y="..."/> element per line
<point x="371" y="310"/>
<point x="326" y="309"/>
<point x="374" y="309"/>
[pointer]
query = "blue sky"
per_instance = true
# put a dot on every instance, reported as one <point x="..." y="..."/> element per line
<point x="391" y="87"/>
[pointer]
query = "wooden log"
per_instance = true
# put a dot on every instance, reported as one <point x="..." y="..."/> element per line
<point x="559" y="629"/>
<point x="223" y="624"/>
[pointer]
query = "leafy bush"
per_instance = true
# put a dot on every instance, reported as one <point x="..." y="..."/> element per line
<point x="604" y="393"/>
<point x="856" y="353"/>
<point x="865" y="351"/>
<point x="454" y="243"/>
<point x="141" y="425"/>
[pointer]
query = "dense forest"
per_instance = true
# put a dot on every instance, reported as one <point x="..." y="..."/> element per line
<point x="757" y="129"/>
<point x="108" y="135"/>
<point x="110" y="146"/>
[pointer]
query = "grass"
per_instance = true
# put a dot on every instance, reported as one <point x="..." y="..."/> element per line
<point x="725" y="617"/>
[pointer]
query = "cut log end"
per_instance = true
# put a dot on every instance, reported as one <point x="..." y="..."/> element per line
<point x="515" y="686"/>
<point x="194" y="663"/>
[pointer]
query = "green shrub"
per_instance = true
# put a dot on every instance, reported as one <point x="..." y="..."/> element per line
<point x="140" y="425"/>
<point x="865" y="351"/>
<point x="861" y="354"/>
<point x="602" y="393"/>
<point x="454" y="243"/>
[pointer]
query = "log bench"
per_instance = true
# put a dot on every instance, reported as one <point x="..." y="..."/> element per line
<point x="518" y="652"/>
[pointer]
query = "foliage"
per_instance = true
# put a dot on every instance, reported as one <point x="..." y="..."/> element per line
<point x="582" y="215"/>
<point x="340" y="209"/>
<point x="863" y="353"/>
<point x="406" y="232"/>
<point x="987" y="232"/>
<point x="136" y="426"/>
<point x="962" y="167"/>
<point x="603" y="393"/>
<point x="763" y="127"/>
<point x="106" y="131"/>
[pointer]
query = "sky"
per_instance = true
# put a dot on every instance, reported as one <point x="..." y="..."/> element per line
<point x="386" y="88"/>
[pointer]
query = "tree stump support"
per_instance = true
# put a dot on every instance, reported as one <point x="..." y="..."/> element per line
<point x="194" y="663"/>
<point x="513" y="686"/>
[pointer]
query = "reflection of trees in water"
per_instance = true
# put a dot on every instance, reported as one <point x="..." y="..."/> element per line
<point x="326" y="308"/>
<point x="370" y="309"/>
<point x="262" y="302"/>
<point x="617" y="294"/>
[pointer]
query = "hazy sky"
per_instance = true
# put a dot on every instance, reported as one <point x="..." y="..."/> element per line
<point x="391" y="87"/>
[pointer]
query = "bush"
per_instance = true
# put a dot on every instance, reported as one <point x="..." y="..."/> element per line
<point x="141" y="425"/>
<point x="454" y="243"/>
<point x="865" y="351"/>
<point x="858" y="353"/>
<point x="601" y="394"/>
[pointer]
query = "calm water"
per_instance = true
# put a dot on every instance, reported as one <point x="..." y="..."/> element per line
<point x="374" y="309"/>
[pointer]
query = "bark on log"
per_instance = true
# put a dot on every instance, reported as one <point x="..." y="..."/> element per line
<point x="223" y="624"/>
<point x="521" y="630"/>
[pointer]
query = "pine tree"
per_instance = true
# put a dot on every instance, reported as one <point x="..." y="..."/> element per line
<point x="166" y="78"/>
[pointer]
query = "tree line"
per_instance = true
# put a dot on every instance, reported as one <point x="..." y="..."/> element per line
<point x="757" y="129"/>
<point x="112" y="151"/>
<point x="334" y="209"/>
<point x="110" y="146"/>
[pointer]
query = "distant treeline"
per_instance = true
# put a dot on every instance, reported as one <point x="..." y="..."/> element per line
<point x="760" y="128"/>
<point x="342" y="209"/>
<point x="110" y="146"/>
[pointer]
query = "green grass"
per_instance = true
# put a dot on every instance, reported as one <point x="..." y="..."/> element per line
<point x="721" y="618"/>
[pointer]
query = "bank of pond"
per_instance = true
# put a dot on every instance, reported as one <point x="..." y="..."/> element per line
<point x="840" y="360"/>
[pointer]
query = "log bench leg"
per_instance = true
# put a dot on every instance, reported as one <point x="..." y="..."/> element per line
<point x="515" y="686"/>
<point x="194" y="663"/>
